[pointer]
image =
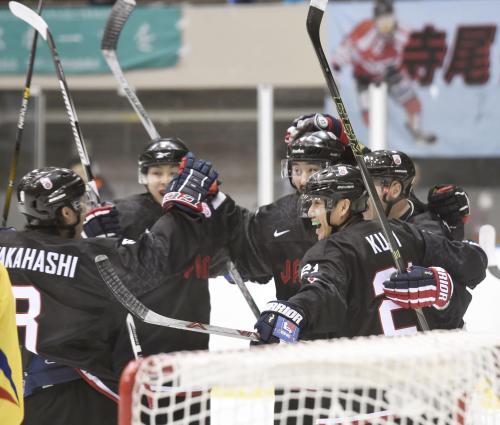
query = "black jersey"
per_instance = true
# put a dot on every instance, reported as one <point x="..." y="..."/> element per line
<point x="271" y="242"/>
<point x="137" y="213"/>
<point x="342" y="278"/>
<point x="184" y="295"/>
<point x="65" y="311"/>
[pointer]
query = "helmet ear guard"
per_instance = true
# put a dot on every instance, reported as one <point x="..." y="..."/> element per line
<point x="359" y="205"/>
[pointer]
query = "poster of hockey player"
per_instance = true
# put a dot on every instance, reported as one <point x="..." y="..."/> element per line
<point x="440" y="64"/>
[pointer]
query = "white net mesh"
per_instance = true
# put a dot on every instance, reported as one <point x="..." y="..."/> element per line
<point x="436" y="378"/>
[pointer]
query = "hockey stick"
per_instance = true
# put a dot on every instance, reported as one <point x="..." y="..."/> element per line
<point x="38" y="23"/>
<point x="236" y="277"/>
<point x="20" y="124"/>
<point x="313" y="23"/>
<point x="134" y="339"/>
<point x="487" y="241"/>
<point x="116" y="21"/>
<point x="138" y="309"/>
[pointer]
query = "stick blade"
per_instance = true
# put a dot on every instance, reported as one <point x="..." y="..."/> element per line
<point x="30" y="17"/>
<point x="319" y="4"/>
<point x="313" y="21"/>
<point x="116" y="21"/>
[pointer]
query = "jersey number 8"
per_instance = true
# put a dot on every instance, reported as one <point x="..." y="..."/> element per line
<point x="28" y="319"/>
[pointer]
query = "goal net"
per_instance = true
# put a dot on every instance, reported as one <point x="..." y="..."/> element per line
<point x="438" y="378"/>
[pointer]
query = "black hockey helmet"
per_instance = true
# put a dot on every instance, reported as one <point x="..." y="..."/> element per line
<point x="392" y="165"/>
<point x="383" y="7"/>
<point x="43" y="192"/>
<point x="336" y="182"/>
<point x="162" y="151"/>
<point x="320" y="146"/>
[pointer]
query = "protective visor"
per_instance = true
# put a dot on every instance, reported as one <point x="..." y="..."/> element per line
<point x="306" y="201"/>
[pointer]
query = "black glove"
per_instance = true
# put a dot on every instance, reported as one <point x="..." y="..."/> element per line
<point x="420" y="287"/>
<point x="102" y="222"/>
<point x="190" y="188"/>
<point x="281" y="320"/>
<point x="316" y="122"/>
<point x="449" y="202"/>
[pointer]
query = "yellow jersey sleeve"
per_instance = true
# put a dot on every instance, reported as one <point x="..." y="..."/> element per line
<point x="11" y="389"/>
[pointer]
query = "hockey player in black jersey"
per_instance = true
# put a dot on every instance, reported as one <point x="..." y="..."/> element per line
<point x="65" y="312"/>
<point x="271" y="242"/>
<point x="157" y="166"/>
<point x="342" y="275"/>
<point x="448" y="206"/>
<point x="53" y="391"/>
<point x="184" y="295"/>
<point x="394" y="173"/>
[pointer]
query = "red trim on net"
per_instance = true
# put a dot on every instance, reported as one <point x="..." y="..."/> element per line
<point x="126" y="386"/>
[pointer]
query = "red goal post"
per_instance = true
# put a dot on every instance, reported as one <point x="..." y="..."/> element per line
<point x="438" y="378"/>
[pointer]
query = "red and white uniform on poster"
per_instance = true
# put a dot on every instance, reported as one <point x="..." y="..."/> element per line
<point x="370" y="52"/>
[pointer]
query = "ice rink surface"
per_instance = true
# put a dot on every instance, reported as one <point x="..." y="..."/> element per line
<point x="230" y="309"/>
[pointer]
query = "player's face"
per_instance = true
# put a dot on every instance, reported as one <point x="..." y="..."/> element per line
<point x="317" y="213"/>
<point x="301" y="171"/>
<point x="158" y="179"/>
<point x="386" y="24"/>
<point x="387" y="191"/>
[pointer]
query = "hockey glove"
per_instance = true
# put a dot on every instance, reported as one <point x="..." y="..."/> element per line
<point x="102" y="222"/>
<point x="280" y="321"/>
<point x="190" y="188"/>
<point x="449" y="202"/>
<point x="419" y="287"/>
<point x="316" y="122"/>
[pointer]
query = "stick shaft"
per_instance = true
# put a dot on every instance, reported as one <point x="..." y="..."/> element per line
<point x="235" y="275"/>
<point x="75" y="125"/>
<point x="38" y="23"/>
<point x="20" y="124"/>
<point x="134" y="339"/>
